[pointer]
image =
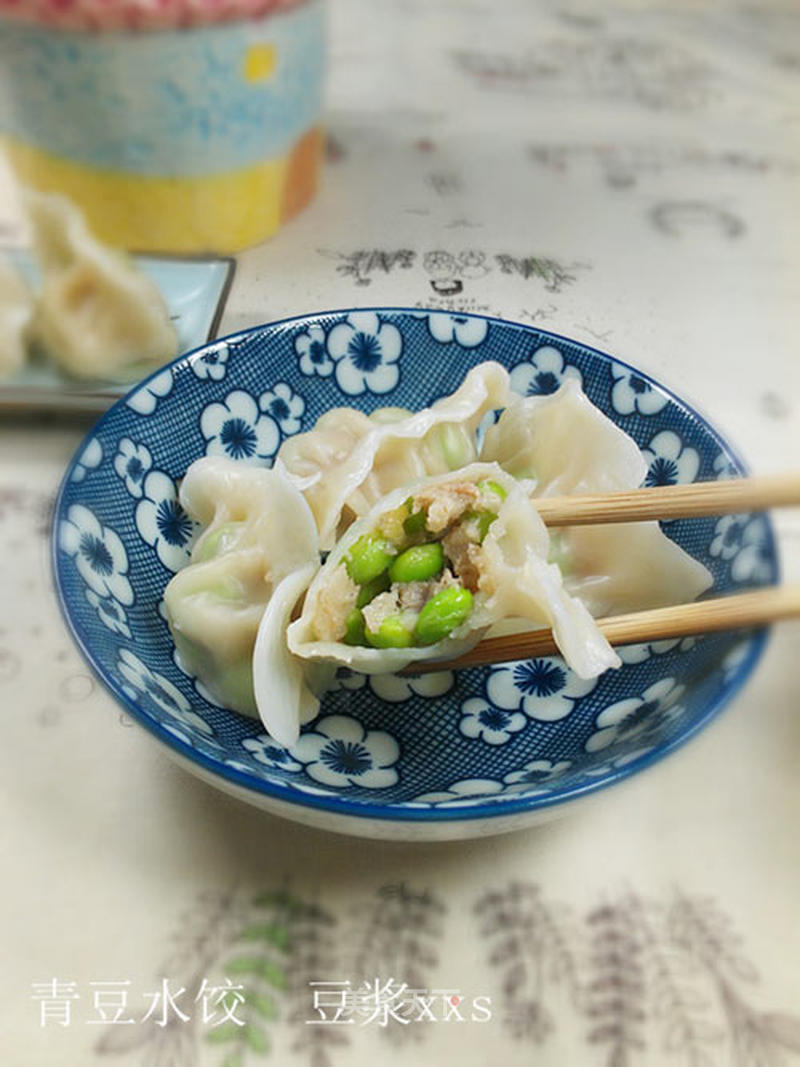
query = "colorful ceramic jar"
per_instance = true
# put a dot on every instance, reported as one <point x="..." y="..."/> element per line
<point x="196" y="131"/>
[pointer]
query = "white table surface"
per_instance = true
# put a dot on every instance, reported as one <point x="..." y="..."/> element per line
<point x="628" y="178"/>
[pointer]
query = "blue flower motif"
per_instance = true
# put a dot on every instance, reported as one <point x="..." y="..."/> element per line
<point x="394" y="690"/>
<point x="163" y="523"/>
<point x="743" y="540"/>
<point x="461" y="793"/>
<point x="145" y="400"/>
<point x="132" y="462"/>
<point x="638" y="653"/>
<point x="669" y="461"/>
<point x="491" y="724"/>
<point x="111" y="612"/>
<point x="537" y="772"/>
<point x="543" y="373"/>
<point x="340" y="752"/>
<point x="630" y="392"/>
<point x="211" y="363"/>
<point x="314" y="358"/>
<point x="99" y="554"/>
<point x="90" y="459"/>
<point x="542" y="688"/>
<point x="365" y="351"/>
<point x="640" y="717"/>
<point x="160" y="690"/>
<point x="723" y="467"/>
<point x="266" y="751"/>
<point x="235" y="428"/>
<point x="285" y="407"/>
<point x="465" y="331"/>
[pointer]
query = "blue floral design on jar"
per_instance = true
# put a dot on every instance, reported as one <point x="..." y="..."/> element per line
<point x="99" y="554"/>
<point x="163" y="523"/>
<point x="141" y="680"/>
<point x="543" y="373"/>
<point x="394" y="689"/>
<point x="211" y="364"/>
<point x="132" y="462"/>
<point x="366" y="351"/>
<point x="543" y="689"/>
<point x="491" y="724"/>
<point x="285" y="406"/>
<point x="266" y="751"/>
<point x="641" y="717"/>
<point x="669" y="460"/>
<point x="341" y="752"/>
<point x="111" y="612"/>
<point x="310" y="347"/>
<point x="466" y="331"/>
<point x="727" y="539"/>
<point x="237" y="429"/>
<point x="630" y="393"/>
<point x="146" y="399"/>
<point x="537" y="772"/>
<point x="89" y="460"/>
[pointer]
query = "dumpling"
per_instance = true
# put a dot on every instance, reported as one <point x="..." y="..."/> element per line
<point x="97" y="314"/>
<point x="259" y="530"/>
<point x="16" y="314"/>
<point x="349" y="461"/>
<point x="430" y="568"/>
<point x="566" y="446"/>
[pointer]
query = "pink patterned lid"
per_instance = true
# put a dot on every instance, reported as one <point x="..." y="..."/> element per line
<point x="136" y="14"/>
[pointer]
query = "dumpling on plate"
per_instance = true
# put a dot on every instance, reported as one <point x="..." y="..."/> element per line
<point x="258" y="531"/>
<point x="565" y="445"/>
<point x="430" y="568"/>
<point x="97" y="314"/>
<point x="16" y="314"/>
<point x="350" y="460"/>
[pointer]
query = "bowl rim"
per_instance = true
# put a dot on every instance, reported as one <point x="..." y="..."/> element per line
<point x="483" y="806"/>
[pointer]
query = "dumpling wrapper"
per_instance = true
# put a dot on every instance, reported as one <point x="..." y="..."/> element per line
<point x="97" y="314"/>
<point x="16" y="315"/>
<point x="518" y="582"/>
<point x="569" y="446"/>
<point x="349" y="461"/>
<point x="214" y="606"/>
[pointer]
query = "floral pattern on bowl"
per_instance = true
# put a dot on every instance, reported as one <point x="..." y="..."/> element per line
<point x="447" y="755"/>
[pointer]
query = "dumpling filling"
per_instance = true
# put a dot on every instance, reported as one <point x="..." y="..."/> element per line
<point x="411" y="580"/>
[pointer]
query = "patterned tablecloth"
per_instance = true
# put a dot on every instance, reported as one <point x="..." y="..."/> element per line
<point x="628" y="178"/>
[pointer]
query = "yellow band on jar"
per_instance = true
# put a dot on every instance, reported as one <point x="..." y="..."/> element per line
<point x="221" y="213"/>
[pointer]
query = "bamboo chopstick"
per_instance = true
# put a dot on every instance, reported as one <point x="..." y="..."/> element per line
<point x="683" y="620"/>
<point x="672" y="501"/>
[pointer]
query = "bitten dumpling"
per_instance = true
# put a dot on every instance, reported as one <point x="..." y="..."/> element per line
<point x="349" y="460"/>
<point x="97" y="314"/>
<point x="16" y="315"/>
<point x="430" y="568"/>
<point x="258" y="531"/>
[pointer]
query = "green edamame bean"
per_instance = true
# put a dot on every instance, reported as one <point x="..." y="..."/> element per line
<point x="442" y="614"/>
<point x="415" y="523"/>
<point x="217" y="542"/>
<point x="392" y="633"/>
<point x="368" y="592"/>
<point x="454" y="443"/>
<point x="369" y="557"/>
<point x="483" y="520"/>
<point x="494" y="487"/>
<point x="354" y="633"/>
<point x="418" y="563"/>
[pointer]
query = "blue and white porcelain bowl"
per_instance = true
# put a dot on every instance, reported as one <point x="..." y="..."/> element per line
<point x="442" y="756"/>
